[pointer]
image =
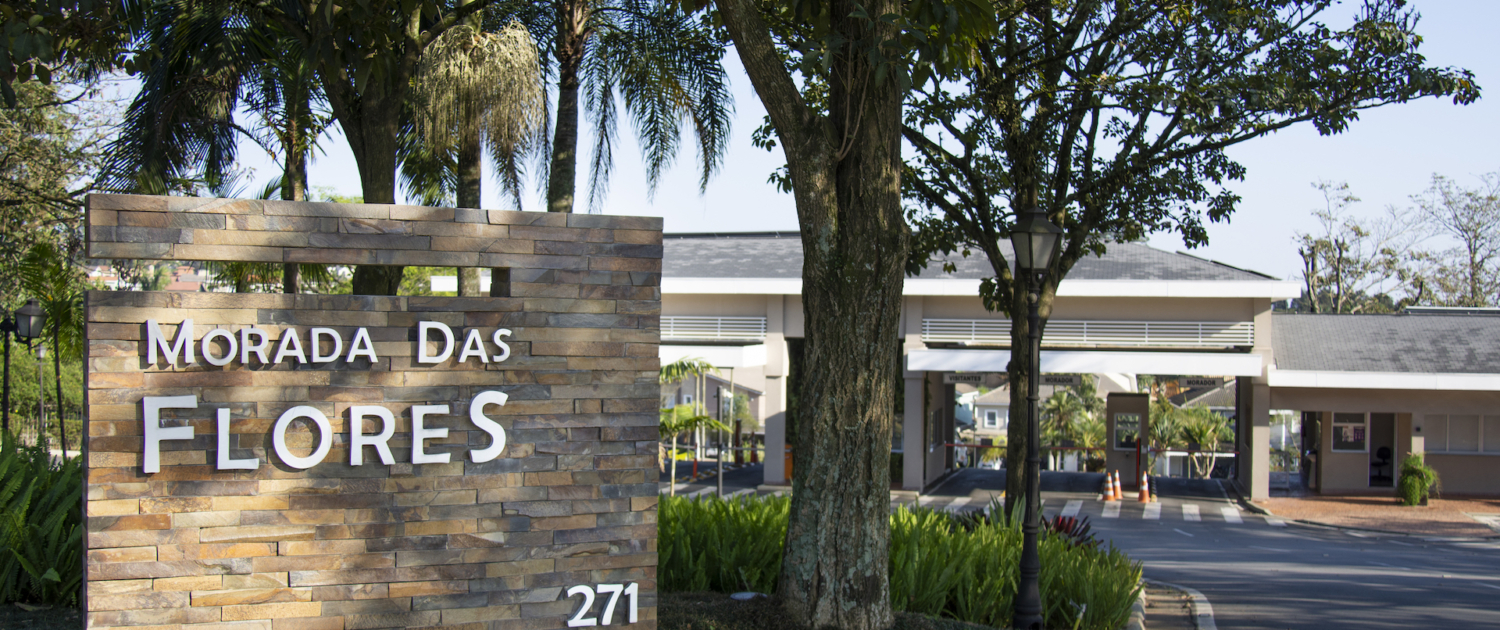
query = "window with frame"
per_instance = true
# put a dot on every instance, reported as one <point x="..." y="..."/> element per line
<point x="1127" y="431"/>
<point x="1350" y="432"/>
<point x="1462" y="433"/>
<point x="991" y="419"/>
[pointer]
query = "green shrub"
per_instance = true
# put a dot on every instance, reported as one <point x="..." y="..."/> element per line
<point x="718" y="545"/>
<point x="41" y="526"/>
<point x="954" y="567"/>
<point x="1417" y="480"/>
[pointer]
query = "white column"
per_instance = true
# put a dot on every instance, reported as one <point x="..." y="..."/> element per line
<point x="913" y="416"/>
<point x="774" y="470"/>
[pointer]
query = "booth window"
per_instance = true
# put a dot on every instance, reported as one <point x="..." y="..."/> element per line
<point x="1349" y="432"/>
<point x="1463" y="433"/>
<point x="1127" y="431"/>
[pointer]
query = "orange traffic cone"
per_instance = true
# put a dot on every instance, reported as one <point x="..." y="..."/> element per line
<point x="1109" y="490"/>
<point x="1144" y="495"/>
<point x="1119" y="494"/>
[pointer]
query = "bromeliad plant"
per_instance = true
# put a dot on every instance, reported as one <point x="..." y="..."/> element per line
<point x="41" y="525"/>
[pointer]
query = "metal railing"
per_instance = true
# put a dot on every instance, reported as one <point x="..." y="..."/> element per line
<point x="713" y="328"/>
<point x="996" y="332"/>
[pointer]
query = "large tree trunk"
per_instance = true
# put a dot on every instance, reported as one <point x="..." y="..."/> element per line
<point x="845" y="168"/>
<point x="372" y="133"/>
<point x="562" y="179"/>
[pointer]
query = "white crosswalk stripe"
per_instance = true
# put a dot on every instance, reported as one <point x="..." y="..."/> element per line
<point x="1275" y="522"/>
<point x="1072" y="508"/>
<point x="1112" y="509"/>
<point x="1231" y="515"/>
<point x="1190" y="512"/>
<point x="958" y="504"/>
<point x="1152" y="513"/>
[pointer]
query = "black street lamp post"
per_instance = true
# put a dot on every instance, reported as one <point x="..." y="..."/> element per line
<point x="26" y="324"/>
<point x="1035" y="240"/>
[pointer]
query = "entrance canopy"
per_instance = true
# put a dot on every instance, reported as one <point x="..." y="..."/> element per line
<point x="1087" y="362"/>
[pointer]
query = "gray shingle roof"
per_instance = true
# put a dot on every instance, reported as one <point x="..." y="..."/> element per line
<point x="779" y="255"/>
<point x="1417" y="344"/>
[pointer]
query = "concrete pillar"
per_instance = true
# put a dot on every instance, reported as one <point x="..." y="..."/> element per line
<point x="1260" y="442"/>
<point x="914" y="413"/>
<point x="913" y="421"/>
<point x="777" y="366"/>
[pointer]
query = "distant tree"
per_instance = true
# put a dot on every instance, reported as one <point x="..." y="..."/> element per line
<point x="51" y="145"/>
<point x="1356" y="265"/>
<point x="1467" y="274"/>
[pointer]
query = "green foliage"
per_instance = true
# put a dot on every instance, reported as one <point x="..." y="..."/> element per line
<point x="25" y="390"/>
<point x="1418" y="480"/>
<point x="49" y="155"/>
<point x="962" y="568"/>
<point x="418" y="280"/>
<point x="725" y="546"/>
<point x="681" y="419"/>
<point x="41" y="526"/>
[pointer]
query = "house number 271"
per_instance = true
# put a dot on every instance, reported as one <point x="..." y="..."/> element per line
<point x="614" y="590"/>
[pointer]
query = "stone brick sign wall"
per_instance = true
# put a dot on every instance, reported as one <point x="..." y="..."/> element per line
<point x="267" y="461"/>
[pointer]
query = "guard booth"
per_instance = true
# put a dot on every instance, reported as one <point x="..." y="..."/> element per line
<point x="1128" y="425"/>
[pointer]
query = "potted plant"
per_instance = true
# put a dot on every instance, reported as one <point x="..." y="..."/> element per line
<point x="1418" y="480"/>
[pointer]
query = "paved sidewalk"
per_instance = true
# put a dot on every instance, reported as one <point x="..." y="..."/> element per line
<point x="1441" y="517"/>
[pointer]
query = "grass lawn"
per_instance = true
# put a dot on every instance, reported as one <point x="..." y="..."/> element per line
<point x="715" y="611"/>
<point x="13" y="617"/>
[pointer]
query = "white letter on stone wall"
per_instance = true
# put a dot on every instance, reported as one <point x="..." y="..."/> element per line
<point x="290" y="346"/>
<point x="473" y="347"/>
<point x="497" y="432"/>
<point x="155" y="433"/>
<point x="208" y="341"/>
<point x="315" y="345"/>
<point x="358" y="440"/>
<point x="183" y="345"/>
<point x="361" y="346"/>
<point x="259" y="347"/>
<point x="325" y="437"/>
<point x="504" y="349"/>
<point x="422" y="329"/>
<point x="224" y="462"/>
<point x="420" y="434"/>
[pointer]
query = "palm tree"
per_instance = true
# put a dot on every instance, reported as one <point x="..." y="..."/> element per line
<point x="679" y="420"/>
<point x="179" y="133"/>
<point x="679" y="371"/>
<point x="1207" y="429"/>
<point x="472" y="86"/>
<point x="649" y="54"/>
<point x="58" y="285"/>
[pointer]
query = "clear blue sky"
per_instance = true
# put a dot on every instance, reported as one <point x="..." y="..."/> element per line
<point x="1388" y="155"/>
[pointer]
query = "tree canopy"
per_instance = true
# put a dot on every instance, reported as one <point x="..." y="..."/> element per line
<point x="1112" y="118"/>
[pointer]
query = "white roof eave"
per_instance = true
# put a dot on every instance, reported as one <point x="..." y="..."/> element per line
<point x="1273" y="289"/>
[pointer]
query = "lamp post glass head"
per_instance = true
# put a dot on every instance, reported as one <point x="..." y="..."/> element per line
<point x="29" y="320"/>
<point x="1035" y="241"/>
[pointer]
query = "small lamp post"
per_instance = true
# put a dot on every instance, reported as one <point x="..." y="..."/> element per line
<point x="27" y="324"/>
<point x="1035" y="241"/>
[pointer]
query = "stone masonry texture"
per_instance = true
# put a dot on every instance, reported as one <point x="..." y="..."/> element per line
<point x="570" y="501"/>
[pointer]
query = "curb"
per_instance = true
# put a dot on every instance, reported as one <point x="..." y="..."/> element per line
<point x="1138" y="611"/>
<point x="1203" y="612"/>
<point x="1245" y="503"/>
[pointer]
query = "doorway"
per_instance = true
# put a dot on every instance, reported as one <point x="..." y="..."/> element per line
<point x="1311" y="434"/>
<point x="1382" y="450"/>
